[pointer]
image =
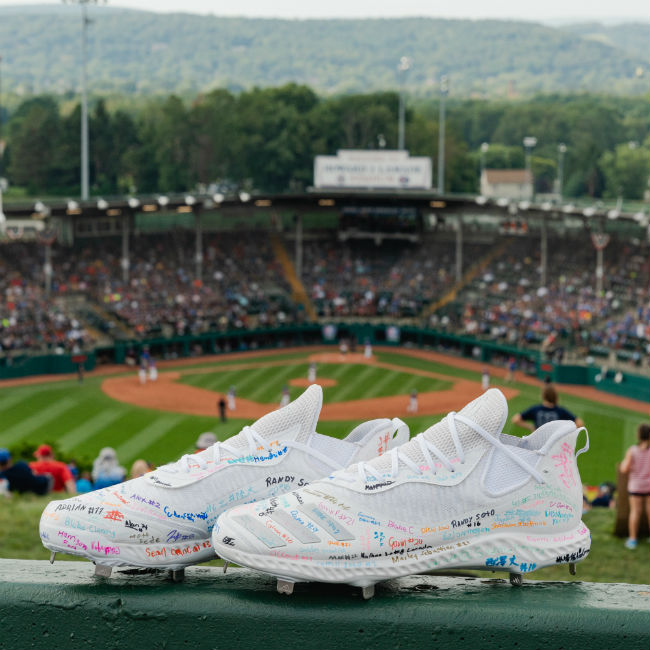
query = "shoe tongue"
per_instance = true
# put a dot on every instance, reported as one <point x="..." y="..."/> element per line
<point x="296" y="421"/>
<point x="489" y="411"/>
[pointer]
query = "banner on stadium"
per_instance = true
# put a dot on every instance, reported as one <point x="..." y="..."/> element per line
<point x="372" y="169"/>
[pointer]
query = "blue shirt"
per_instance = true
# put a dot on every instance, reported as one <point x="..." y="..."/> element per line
<point x="540" y="414"/>
<point x="22" y="479"/>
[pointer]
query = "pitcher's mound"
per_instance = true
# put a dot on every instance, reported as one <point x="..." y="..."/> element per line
<point x="303" y="382"/>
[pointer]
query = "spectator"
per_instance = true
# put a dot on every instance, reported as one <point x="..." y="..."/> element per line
<point x="139" y="468"/>
<point x="548" y="411"/>
<point x="45" y="463"/>
<point x="636" y="465"/>
<point x="605" y="496"/>
<point x="20" y="476"/>
<point x="84" y="483"/>
<point x="106" y="469"/>
<point x="205" y="440"/>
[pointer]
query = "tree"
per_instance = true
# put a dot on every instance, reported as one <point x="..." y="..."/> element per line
<point x="33" y="138"/>
<point x="172" y="140"/>
<point x="626" y="170"/>
<point x="212" y="117"/>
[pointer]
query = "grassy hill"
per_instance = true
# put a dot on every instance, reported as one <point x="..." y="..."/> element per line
<point x="143" y="52"/>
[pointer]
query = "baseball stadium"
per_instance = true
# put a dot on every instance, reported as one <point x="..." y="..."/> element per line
<point x="183" y="307"/>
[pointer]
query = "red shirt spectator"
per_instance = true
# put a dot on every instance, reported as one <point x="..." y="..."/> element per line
<point x="59" y="471"/>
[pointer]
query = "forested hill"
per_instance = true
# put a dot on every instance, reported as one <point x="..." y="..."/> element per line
<point x="135" y="51"/>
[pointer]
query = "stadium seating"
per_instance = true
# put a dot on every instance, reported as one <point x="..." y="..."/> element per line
<point x="243" y="286"/>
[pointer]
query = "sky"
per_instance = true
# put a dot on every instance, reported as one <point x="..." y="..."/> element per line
<point x="548" y="11"/>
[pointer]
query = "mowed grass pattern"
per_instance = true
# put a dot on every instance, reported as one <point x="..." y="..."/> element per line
<point x="264" y="384"/>
<point x="81" y="420"/>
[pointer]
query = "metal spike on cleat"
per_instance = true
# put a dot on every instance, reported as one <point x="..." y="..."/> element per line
<point x="52" y="557"/>
<point x="515" y="579"/>
<point x="178" y="575"/>
<point x="103" y="570"/>
<point x="368" y="592"/>
<point x="572" y="568"/>
<point x="285" y="587"/>
<point x="225" y="565"/>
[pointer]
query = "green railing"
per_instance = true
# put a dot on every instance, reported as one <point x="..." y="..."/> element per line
<point x="66" y="606"/>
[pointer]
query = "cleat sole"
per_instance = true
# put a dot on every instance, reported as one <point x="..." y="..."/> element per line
<point x="285" y="587"/>
<point x="177" y="575"/>
<point x="103" y="570"/>
<point x="517" y="554"/>
<point x="516" y="580"/>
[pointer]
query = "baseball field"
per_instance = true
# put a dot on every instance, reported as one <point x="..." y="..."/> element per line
<point x="159" y="421"/>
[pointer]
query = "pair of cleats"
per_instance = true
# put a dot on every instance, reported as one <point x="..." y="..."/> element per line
<point x="280" y="498"/>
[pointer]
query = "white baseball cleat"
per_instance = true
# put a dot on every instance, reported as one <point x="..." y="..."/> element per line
<point x="461" y="495"/>
<point x="164" y="519"/>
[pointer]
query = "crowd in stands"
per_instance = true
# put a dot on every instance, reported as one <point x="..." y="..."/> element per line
<point x="507" y="303"/>
<point x="244" y="286"/>
<point x="242" y="283"/>
<point x="28" y="318"/>
<point x="393" y="280"/>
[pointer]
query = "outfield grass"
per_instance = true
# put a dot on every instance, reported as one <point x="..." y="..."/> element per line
<point x="79" y="419"/>
<point x="609" y="560"/>
<point x="264" y="384"/>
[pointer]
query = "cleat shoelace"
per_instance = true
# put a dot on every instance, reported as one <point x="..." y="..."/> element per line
<point x="256" y="445"/>
<point x="427" y="448"/>
<point x="188" y="462"/>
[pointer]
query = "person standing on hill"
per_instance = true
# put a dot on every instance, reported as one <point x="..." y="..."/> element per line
<point x="548" y="411"/>
<point x="636" y="465"/>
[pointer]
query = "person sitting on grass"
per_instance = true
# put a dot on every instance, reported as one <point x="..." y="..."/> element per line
<point x="106" y="469"/>
<point x="605" y="497"/>
<point x="20" y="476"/>
<point x="59" y="471"/>
<point x="85" y="483"/>
<point x="548" y="411"/>
<point x="636" y="465"/>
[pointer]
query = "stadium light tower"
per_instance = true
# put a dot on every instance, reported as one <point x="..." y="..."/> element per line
<point x="85" y="21"/>
<point x="561" y="151"/>
<point x="485" y="147"/>
<point x="530" y="142"/>
<point x="444" y="91"/>
<point x="402" y="67"/>
<point x="2" y="150"/>
<point x="3" y="181"/>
